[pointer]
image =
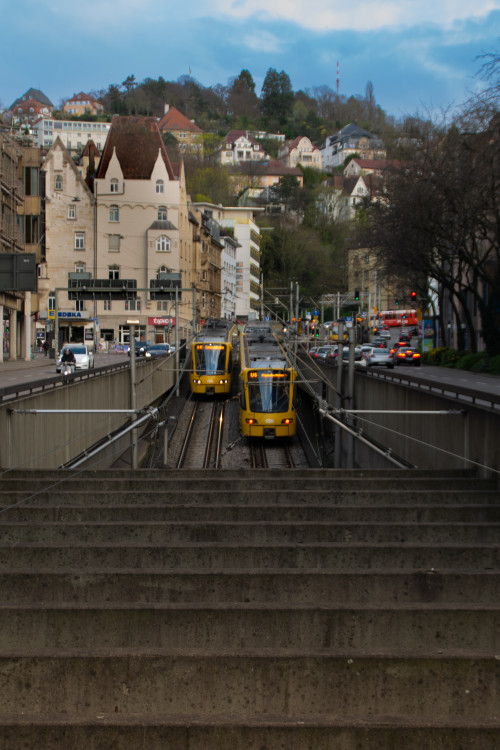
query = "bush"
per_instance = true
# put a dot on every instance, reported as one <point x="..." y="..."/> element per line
<point x="494" y="365"/>
<point x="477" y="362"/>
<point x="433" y="356"/>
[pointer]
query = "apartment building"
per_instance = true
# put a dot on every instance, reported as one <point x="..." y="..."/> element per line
<point x="240" y="221"/>
<point x="74" y="134"/>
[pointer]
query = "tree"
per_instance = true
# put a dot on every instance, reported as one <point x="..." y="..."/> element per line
<point x="276" y="97"/>
<point x="440" y="219"/>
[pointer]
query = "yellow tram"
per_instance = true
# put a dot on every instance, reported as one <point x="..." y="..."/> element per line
<point x="212" y="358"/>
<point x="267" y="380"/>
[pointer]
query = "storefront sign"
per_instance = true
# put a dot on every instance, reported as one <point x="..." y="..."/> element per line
<point x="161" y="321"/>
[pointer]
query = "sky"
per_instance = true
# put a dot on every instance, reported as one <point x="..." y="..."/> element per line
<point x="421" y="56"/>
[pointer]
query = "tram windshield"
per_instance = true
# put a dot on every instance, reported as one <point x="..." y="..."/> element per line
<point x="268" y="390"/>
<point x="210" y="359"/>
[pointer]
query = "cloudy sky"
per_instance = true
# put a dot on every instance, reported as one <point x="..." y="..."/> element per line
<point x="420" y="55"/>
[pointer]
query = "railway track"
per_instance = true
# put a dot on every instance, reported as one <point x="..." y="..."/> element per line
<point x="267" y="456"/>
<point x="201" y="447"/>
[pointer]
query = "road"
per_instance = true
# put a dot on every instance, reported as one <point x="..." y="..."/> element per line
<point x="42" y="368"/>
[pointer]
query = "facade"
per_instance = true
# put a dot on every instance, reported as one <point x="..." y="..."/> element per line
<point x="74" y="134"/>
<point x="69" y="251"/>
<point x="81" y="103"/>
<point x="300" y="151"/>
<point x="143" y="231"/>
<point x="342" y="196"/>
<point x="15" y="307"/>
<point x="32" y="105"/>
<point x="376" y="291"/>
<point x="187" y="133"/>
<point x="240" y="221"/>
<point x="253" y="182"/>
<point x="357" y="167"/>
<point x="239" y="146"/>
<point x="351" y="140"/>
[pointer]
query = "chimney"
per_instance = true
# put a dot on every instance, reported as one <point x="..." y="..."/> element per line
<point x="166" y="107"/>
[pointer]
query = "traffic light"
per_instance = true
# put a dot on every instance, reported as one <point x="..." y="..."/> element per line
<point x="356" y="295"/>
<point x="413" y="296"/>
<point x="397" y="303"/>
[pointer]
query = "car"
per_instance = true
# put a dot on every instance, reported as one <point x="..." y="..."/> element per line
<point x="358" y="356"/>
<point x="379" y="343"/>
<point x="140" y="348"/>
<point x="384" y="335"/>
<point x="402" y="342"/>
<point x="312" y="351"/>
<point x="379" y="357"/>
<point x="323" y="352"/>
<point x="408" y="356"/>
<point x="157" y="350"/>
<point x="83" y="355"/>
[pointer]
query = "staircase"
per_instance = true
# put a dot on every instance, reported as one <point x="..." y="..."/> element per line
<point x="265" y="610"/>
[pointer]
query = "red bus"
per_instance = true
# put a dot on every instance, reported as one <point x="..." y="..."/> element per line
<point x="393" y="318"/>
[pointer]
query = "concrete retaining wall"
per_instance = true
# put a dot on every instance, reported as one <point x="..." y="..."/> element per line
<point x="34" y="441"/>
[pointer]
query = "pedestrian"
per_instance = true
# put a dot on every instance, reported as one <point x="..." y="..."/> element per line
<point x="40" y="346"/>
<point x="45" y="347"/>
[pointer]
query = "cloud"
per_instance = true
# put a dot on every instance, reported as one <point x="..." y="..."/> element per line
<point x="263" y="41"/>
<point x="359" y="15"/>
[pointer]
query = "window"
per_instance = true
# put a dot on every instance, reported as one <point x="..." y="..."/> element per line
<point x="58" y="182"/>
<point x="79" y="240"/>
<point x="107" y="304"/>
<point x="114" y="242"/>
<point x="162" y="306"/>
<point x="114" y="213"/>
<point x="133" y="304"/>
<point x="71" y="211"/>
<point x="163" y="244"/>
<point x="52" y="300"/>
<point x="113" y="185"/>
<point x="79" y="305"/>
<point x="80" y="267"/>
<point x="162" y="213"/>
<point x="113" y="272"/>
<point x="159" y="186"/>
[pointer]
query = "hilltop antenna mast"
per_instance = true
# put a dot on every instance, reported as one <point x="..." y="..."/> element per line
<point x="338" y="80"/>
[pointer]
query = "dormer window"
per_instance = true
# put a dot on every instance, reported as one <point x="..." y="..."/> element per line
<point x="58" y="182"/>
<point x="159" y="186"/>
<point x="113" y="185"/>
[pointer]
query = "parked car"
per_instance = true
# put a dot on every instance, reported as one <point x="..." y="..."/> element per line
<point x="379" y="357"/>
<point x="157" y="350"/>
<point x="323" y="352"/>
<point x="408" y="356"/>
<point x="83" y="355"/>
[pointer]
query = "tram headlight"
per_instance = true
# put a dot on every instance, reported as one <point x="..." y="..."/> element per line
<point x="251" y="420"/>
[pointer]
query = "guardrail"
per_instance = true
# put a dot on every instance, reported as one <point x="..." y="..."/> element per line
<point x="12" y="392"/>
<point x="466" y="396"/>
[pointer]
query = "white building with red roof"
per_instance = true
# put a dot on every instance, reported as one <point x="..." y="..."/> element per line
<point x="239" y="146"/>
<point x="300" y="151"/>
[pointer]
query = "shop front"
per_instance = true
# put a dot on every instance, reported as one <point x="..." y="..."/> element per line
<point x="75" y="327"/>
<point x="162" y="328"/>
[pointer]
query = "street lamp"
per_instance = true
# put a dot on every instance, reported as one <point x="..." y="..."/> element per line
<point x="133" y="394"/>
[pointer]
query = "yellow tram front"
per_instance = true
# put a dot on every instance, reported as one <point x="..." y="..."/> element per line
<point x="266" y="402"/>
<point x="212" y="367"/>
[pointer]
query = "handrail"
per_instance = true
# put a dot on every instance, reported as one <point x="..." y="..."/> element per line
<point x="480" y="399"/>
<point x="11" y="392"/>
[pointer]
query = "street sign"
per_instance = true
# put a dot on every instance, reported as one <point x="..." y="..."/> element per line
<point x="51" y="314"/>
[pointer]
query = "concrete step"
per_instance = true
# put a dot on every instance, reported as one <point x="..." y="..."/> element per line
<point x="237" y="556"/>
<point x="199" y="732"/>
<point x="237" y="686"/>
<point x="263" y="532"/>
<point x="142" y="513"/>
<point x="219" y="628"/>
<point x="220" y="482"/>
<point x="249" y="496"/>
<point x="285" y="586"/>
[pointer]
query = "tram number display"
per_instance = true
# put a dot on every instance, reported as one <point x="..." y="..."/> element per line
<point x="210" y="347"/>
